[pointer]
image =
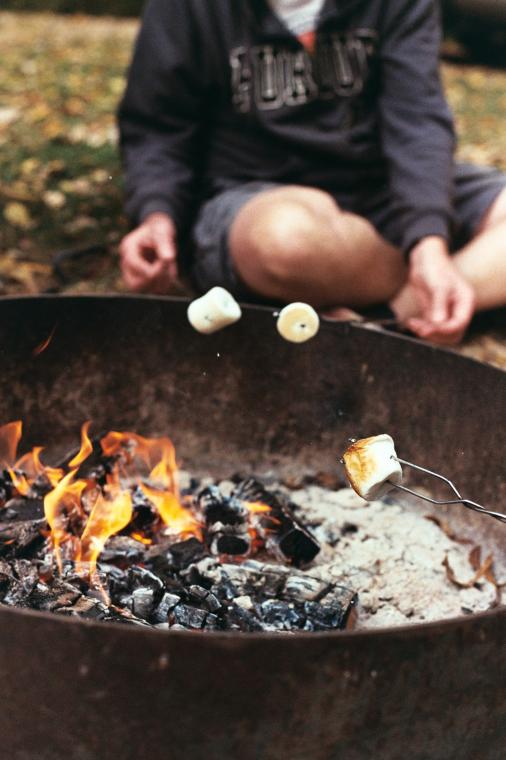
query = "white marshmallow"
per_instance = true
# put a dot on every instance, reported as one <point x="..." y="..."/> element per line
<point x="213" y="311"/>
<point x="298" y="322"/>
<point x="371" y="466"/>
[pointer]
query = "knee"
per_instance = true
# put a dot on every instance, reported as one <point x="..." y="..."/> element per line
<point x="280" y="240"/>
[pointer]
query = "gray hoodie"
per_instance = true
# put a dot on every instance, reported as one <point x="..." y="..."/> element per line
<point x="220" y="91"/>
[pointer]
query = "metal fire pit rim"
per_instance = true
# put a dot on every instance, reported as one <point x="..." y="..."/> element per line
<point x="466" y="622"/>
<point x="341" y="327"/>
<point x="446" y="625"/>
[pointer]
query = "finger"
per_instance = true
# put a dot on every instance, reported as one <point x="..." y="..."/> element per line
<point x="462" y="311"/>
<point x="139" y="274"/>
<point x="441" y="337"/>
<point x="163" y="244"/>
<point x="438" y="311"/>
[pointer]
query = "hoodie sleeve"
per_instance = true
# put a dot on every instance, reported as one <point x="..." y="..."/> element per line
<point x="160" y="114"/>
<point x="416" y="124"/>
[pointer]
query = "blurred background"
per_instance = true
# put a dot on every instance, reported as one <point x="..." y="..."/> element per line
<point x="62" y="73"/>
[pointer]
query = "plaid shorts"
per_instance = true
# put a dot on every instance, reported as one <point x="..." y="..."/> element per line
<point x="475" y="190"/>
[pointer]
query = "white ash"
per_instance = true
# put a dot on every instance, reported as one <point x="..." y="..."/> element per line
<point x="392" y="556"/>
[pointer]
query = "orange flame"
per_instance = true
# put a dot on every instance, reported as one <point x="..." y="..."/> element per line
<point x="157" y="454"/>
<point x="107" y="517"/>
<point x="177" y="519"/>
<point x="86" y="447"/>
<point x="256" y="507"/>
<point x="45" y="343"/>
<point x="10" y="435"/>
<point x="57" y="503"/>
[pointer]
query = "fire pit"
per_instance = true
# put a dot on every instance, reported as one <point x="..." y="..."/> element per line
<point x="243" y="401"/>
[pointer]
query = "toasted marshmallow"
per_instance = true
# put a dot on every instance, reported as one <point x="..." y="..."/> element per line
<point x="213" y="311"/>
<point x="371" y="466"/>
<point x="298" y="322"/>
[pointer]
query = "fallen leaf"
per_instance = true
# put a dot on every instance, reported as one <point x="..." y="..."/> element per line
<point x="18" y="215"/>
<point x="445" y="527"/>
<point x="54" y="199"/>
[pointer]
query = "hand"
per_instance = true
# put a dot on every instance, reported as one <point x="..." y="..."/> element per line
<point x="148" y="255"/>
<point x="444" y="298"/>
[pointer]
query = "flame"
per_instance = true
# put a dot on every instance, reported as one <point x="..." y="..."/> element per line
<point x="10" y="435"/>
<point x="45" y="343"/>
<point x="57" y="504"/>
<point x="141" y="538"/>
<point x="177" y="519"/>
<point x="108" y="516"/>
<point x="29" y="467"/>
<point x="256" y="507"/>
<point x="159" y="457"/>
<point x="157" y="454"/>
<point x="86" y="447"/>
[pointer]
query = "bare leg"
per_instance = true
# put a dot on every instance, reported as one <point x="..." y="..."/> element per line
<point x="482" y="262"/>
<point x="294" y="243"/>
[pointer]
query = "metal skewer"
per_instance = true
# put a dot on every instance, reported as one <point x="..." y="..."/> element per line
<point x="459" y="500"/>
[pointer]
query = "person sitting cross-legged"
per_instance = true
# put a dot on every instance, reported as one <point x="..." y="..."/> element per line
<point x="304" y="150"/>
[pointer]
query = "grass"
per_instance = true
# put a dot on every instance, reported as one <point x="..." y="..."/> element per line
<point x="60" y="177"/>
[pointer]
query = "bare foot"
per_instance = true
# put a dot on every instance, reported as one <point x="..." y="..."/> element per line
<point x="404" y="304"/>
<point x="342" y="314"/>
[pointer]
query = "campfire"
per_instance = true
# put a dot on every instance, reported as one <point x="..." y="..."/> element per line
<point x="109" y="534"/>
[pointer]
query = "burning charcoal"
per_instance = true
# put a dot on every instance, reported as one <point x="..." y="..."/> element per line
<point x="204" y="598"/>
<point x="6" y="575"/>
<point x="186" y="552"/>
<point x="144" y="514"/>
<point x="303" y="588"/>
<point x="143" y="602"/>
<point x="6" y="487"/>
<point x="139" y="577"/>
<point x="280" y="616"/>
<point x="90" y="609"/>
<point x="224" y="590"/>
<point x="50" y="598"/>
<point x="231" y="544"/>
<point x="218" y="508"/>
<point x="333" y="612"/>
<point x="25" y="508"/>
<point x="167" y="604"/>
<point x="20" y="537"/>
<point x="239" y="619"/>
<point x="294" y="542"/>
<point x="267" y="578"/>
<point x="123" y="550"/>
<point x="116" y="579"/>
<point x="286" y="535"/>
<point x="212" y="623"/>
<point x="229" y="581"/>
<point x="189" y="617"/>
<point x="226" y="521"/>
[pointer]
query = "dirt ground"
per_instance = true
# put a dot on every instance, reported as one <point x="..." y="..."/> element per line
<point x="60" y="178"/>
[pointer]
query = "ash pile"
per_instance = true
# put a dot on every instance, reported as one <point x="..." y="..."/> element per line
<point x="108" y="535"/>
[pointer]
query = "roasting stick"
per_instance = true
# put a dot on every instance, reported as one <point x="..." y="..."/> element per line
<point x="373" y="469"/>
<point x="459" y="500"/>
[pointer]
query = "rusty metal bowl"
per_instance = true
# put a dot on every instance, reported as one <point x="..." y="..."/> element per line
<point x="245" y="400"/>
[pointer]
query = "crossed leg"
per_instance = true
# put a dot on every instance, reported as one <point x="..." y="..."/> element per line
<point x="295" y="243"/>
